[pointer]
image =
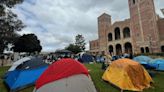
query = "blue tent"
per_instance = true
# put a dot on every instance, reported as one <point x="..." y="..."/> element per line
<point x="158" y="64"/>
<point x="144" y="60"/>
<point x="86" y="58"/>
<point x="19" y="79"/>
<point x="25" y="74"/>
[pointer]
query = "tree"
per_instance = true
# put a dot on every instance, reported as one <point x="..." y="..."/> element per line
<point x="27" y="43"/>
<point x="80" y="41"/>
<point x="9" y="23"/>
<point x="74" y="48"/>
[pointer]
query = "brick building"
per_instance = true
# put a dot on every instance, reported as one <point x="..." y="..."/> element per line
<point x="142" y="33"/>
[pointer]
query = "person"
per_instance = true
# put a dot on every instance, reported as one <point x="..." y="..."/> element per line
<point x="131" y="56"/>
<point x="2" y="58"/>
<point x="103" y="67"/>
<point x="108" y="58"/>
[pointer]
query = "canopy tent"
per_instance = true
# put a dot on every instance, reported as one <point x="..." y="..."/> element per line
<point x="157" y="63"/>
<point x="17" y="63"/>
<point x="127" y="75"/>
<point x="63" y="53"/>
<point x="25" y="74"/>
<point x="65" y="75"/>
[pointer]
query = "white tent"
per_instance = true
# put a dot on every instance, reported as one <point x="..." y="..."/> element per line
<point x="75" y="83"/>
<point x="17" y="63"/>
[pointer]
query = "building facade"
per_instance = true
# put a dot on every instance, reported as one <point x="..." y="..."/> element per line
<point x="143" y="32"/>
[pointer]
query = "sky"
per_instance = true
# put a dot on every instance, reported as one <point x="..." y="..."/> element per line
<point x="57" y="22"/>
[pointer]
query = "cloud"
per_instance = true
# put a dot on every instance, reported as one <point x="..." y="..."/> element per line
<point x="57" y="22"/>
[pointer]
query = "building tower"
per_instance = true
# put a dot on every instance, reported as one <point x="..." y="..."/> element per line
<point x="143" y="21"/>
<point x="104" y="22"/>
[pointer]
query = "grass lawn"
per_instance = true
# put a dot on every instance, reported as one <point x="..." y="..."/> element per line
<point x="101" y="86"/>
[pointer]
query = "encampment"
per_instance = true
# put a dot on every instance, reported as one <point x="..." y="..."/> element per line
<point x="25" y="74"/>
<point x="127" y="74"/>
<point x="65" y="75"/>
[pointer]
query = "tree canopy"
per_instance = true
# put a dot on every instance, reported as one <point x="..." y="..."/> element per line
<point x="74" y="48"/>
<point x="9" y="23"/>
<point x="27" y="43"/>
<point x="80" y="41"/>
<point x="78" y="46"/>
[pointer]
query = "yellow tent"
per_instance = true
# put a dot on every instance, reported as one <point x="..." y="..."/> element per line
<point x="127" y="75"/>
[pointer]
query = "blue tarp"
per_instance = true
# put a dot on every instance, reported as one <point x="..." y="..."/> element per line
<point x="142" y="59"/>
<point x="18" y="79"/>
<point x="158" y="64"/>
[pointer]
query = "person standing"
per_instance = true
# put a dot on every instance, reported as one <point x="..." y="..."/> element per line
<point x="2" y="58"/>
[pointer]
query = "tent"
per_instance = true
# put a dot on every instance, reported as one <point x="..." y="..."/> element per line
<point x="63" y="53"/>
<point x="157" y="63"/>
<point x="17" y="63"/>
<point x="25" y="74"/>
<point x="65" y="75"/>
<point x="144" y="60"/>
<point x="127" y="75"/>
<point x="86" y="58"/>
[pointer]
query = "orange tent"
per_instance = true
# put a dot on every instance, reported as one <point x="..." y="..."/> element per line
<point x="127" y="75"/>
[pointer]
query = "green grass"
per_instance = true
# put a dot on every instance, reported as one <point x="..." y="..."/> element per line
<point x="2" y="86"/>
<point x="101" y="86"/>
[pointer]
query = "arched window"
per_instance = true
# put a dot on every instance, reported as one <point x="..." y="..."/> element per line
<point x="110" y="37"/>
<point x="162" y="48"/>
<point x="117" y="33"/>
<point x="128" y="48"/>
<point x="147" y="49"/>
<point x="110" y="49"/>
<point x="134" y="1"/>
<point x="142" y="50"/>
<point x="118" y="49"/>
<point x="126" y="32"/>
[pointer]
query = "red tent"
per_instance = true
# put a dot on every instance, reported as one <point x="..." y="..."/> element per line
<point x="61" y="69"/>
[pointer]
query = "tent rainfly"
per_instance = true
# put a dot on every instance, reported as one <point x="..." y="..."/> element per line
<point x="127" y="75"/>
<point x="65" y="75"/>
